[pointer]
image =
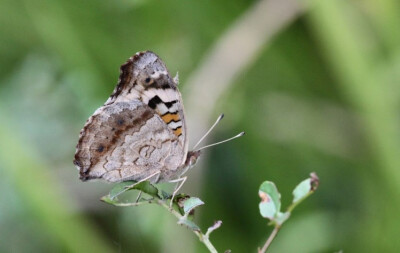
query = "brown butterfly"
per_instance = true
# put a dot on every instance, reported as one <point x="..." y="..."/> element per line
<point x="140" y="132"/>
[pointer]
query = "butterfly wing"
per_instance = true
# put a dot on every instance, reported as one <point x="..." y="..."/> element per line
<point x="145" y="77"/>
<point x="140" y="130"/>
<point x="126" y="141"/>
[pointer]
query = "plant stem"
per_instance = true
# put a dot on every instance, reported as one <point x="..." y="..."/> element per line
<point x="131" y="204"/>
<point x="269" y="240"/>
<point x="278" y="226"/>
<point x="293" y="205"/>
<point x="207" y="242"/>
<point x="202" y="238"/>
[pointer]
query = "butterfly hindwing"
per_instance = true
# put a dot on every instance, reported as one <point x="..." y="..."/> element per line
<point x="126" y="141"/>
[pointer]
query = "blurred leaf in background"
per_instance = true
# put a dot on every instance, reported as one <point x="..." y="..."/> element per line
<point x="322" y="95"/>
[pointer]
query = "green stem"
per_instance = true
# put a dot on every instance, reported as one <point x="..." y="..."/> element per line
<point x="132" y="204"/>
<point x="278" y="226"/>
<point x="207" y="242"/>
<point x="293" y="205"/>
<point x="270" y="239"/>
<point x="202" y="238"/>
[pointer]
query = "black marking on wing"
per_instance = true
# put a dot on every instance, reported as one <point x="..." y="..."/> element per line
<point x="170" y="104"/>
<point x="176" y="128"/>
<point x="168" y="112"/>
<point x="157" y="100"/>
<point x="154" y="102"/>
<point x="175" y="121"/>
<point x="163" y="86"/>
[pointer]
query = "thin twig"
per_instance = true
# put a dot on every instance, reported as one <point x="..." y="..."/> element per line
<point x="132" y="204"/>
<point x="202" y="237"/>
<point x="270" y="239"/>
<point x="314" y="185"/>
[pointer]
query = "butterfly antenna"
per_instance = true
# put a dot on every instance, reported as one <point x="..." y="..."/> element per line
<point x="212" y="127"/>
<point x="214" y="144"/>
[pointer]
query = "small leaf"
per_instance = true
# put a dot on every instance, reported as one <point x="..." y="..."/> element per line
<point x="270" y="200"/>
<point x="120" y="188"/>
<point x="314" y="181"/>
<point x="147" y="188"/>
<point x="190" y="224"/>
<point x="302" y="190"/>
<point x="179" y="201"/>
<point x="270" y="189"/>
<point x="305" y="188"/>
<point x="215" y="226"/>
<point x="108" y="200"/>
<point x="267" y="208"/>
<point x="191" y="203"/>
<point x="281" y="217"/>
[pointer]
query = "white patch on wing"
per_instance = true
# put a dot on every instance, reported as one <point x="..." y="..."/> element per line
<point x="166" y="95"/>
<point x="174" y="108"/>
<point x="162" y="109"/>
<point x="174" y="125"/>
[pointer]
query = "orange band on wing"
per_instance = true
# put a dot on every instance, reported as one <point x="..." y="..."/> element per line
<point x="178" y="131"/>
<point x="170" y="117"/>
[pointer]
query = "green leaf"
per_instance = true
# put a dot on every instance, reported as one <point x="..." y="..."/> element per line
<point x="302" y="190"/>
<point x="147" y="188"/>
<point x="270" y="199"/>
<point x="281" y="217"/>
<point x="107" y="199"/>
<point x="165" y="195"/>
<point x="191" y="203"/>
<point x="179" y="201"/>
<point x="305" y="188"/>
<point x="267" y="209"/>
<point x="189" y="224"/>
<point x="120" y="188"/>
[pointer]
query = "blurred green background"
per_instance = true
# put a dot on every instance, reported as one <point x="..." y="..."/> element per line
<point x="321" y="95"/>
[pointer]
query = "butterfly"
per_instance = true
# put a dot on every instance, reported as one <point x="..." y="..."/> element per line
<point x="140" y="132"/>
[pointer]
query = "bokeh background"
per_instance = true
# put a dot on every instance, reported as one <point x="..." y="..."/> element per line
<point x="315" y="85"/>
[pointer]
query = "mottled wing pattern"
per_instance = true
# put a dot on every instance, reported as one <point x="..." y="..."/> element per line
<point x="145" y="77"/>
<point x="126" y="141"/>
<point x="140" y="129"/>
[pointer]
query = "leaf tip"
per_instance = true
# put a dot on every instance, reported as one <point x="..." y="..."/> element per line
<point x="217" y="224"/>
<point x="314" y="181"/>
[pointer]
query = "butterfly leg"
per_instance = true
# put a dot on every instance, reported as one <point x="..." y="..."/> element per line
<point x="138" y="196"/>
<point x="180" y="182"/>
<point x="145" y="179"/>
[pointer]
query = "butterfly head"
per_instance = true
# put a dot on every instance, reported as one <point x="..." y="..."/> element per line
<point x="192" y="157"/>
